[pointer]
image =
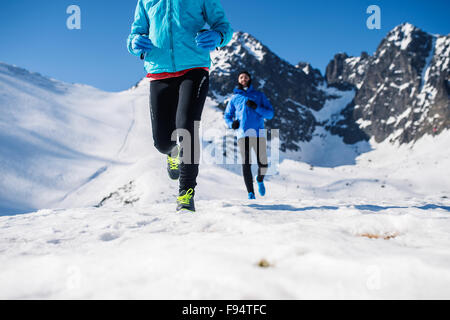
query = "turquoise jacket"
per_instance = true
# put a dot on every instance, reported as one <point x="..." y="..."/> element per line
<point x="172" y="26"/>
<point x="251" y="121"/>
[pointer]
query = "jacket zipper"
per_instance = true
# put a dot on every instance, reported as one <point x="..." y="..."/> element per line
<point x="172" y="55"/>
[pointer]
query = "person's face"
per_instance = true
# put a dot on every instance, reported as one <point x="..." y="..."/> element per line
<point x="244" y="79"/>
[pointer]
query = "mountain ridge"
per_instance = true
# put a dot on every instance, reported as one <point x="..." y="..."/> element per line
<point x="403" y="90"/>
<point x="410" y="66"/>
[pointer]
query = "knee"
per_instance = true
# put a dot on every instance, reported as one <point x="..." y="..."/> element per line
<point x="263" y="165"/>
<point x="263" y="168"/>
<point x="165" y="147"/>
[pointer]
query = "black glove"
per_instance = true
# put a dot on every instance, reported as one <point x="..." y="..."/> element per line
<point x="235" y="124"/>
<point x="251" y="104"/>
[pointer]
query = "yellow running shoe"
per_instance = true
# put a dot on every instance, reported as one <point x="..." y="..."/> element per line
<point x="173" y="167"/>
<point x="185" y="201"/>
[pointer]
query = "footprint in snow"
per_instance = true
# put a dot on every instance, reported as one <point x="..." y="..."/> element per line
<point x="54" y="241"/>
<point x="109" y="236"/>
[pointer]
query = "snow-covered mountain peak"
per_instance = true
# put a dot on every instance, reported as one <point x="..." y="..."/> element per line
<point x="406" y="36"/>
<point x="401" y="31"/>
<point x="241" y="46"/>
<point x="403" y="90"/>
<point x="244" y="42"/>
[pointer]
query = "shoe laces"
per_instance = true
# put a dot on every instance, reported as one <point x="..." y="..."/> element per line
<point x="173" y="162"/>
<point x="186" y="198"/>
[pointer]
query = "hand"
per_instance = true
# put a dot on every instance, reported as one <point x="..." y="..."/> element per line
<point x="236" y="124"/>
<point x="251" y="104"/>
<point x="141" y="45"/>
<point x="208" y="40"/>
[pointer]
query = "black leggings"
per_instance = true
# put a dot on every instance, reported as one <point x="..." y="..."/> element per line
<point x="259" y="144"/>
<point x="176" y="106"/>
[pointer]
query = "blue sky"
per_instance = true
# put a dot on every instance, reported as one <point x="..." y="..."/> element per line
<point x="33" y="33"/>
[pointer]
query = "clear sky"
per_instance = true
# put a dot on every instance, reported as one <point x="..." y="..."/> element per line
<point x="33" y="33"/>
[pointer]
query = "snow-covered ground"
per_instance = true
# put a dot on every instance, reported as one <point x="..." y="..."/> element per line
<point x="377" y="228"/>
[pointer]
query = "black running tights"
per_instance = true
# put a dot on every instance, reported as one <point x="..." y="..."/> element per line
<point x="259" y="145"/>
<point x="176" y="106"/>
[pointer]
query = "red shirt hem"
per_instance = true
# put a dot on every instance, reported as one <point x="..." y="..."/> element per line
<point x="168" y="75"/>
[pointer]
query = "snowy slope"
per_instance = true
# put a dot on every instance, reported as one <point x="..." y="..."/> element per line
<point x="54" y="137"/>
<point x="376" y="228"/>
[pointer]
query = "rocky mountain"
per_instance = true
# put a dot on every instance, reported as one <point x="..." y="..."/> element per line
<point x="402" y="90"/>
<point x="346" y="72"/>
<point x="400" y="93"/>
<point x="61" y="143"/>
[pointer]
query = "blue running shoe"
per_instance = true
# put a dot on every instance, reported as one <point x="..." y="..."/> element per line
<point x="261" y="188"/>
<point x="251" y="196"/>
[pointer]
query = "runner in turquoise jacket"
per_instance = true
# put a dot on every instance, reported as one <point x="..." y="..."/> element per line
<point x="172" y="26"/>
<point x="169" y="36"/>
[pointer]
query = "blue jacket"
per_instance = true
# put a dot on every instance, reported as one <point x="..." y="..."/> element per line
<point x="172" y="26"/>
<point x="248" y="118"/>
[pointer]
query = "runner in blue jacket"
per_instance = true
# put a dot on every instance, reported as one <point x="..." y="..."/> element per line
<point x="245" y="113"/>
<point x="169" y="36"/>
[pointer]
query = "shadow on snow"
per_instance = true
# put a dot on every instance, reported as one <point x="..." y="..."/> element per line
<point x="373" y="208"/>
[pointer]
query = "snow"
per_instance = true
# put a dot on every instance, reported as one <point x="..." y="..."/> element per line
<point x="262" y="83"/>
<point x="55" y="136"/>
<point x="364" y="221"/>
<point x="404" y="115"/>
<point x="361" y="70"/>
<point x="426" y="69"/>
<point x="402" y="36"/>
<point x="306" y="69"/>
<point x="220" y="63"/>
<point x="401" y="87"/>
<point x="381" y="88"/>
<point x="363" y="123"/>
<point x="220" y="98"/>
<point x="242" y="43"/>
<point x="315" y="250"/>
<point x="333" y="106"/>
<point x="326" y="150"/>
<point x="442" y="47"/>
<point x="298" y="104"/>
<point x="255" y="48"/>
<point x="438" y="59"/>
<point x="391" y="120"/>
